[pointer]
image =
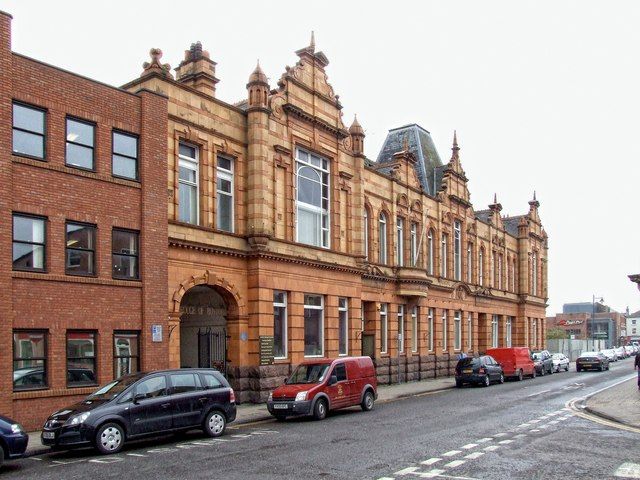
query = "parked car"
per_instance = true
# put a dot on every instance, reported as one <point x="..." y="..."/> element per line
<point x="592" y="361"/>
<point x="515" y="361"/>
<point x="629" y="350"/>
<point x="621" y="353"/>
<point x="478" y="370"/>
<point x="318" y="386"/>
<point x="560" y="362"/>
<point x="13" y="440"/>
<point x="543" y="362"/>
<point x="610" y="353"/>
<point x="144" y="404"/>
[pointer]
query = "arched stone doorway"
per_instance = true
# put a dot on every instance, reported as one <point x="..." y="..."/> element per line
<point x="203" y="329"/>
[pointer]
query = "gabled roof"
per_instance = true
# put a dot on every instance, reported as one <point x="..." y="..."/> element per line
<point x="483" y="215"/>
<point x="421" y="146"/>
<point x="511" y="224"/>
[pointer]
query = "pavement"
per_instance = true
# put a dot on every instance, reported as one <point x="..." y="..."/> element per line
<point x="250" y="413"/>
<point x="620" y="404"/>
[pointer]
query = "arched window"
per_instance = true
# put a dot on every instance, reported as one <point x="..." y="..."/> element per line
<point x="382" y="253"/>
<point x="312" y="199"/>
<point x="457" y="250"/>
<point x="481" y="267"/>
<point x="499" y="271"/>
<point x="443" y="255"/>
<point x="366" y="234"/>
<point x="534" y="274"/>
<point x="430" y="252"/>
<point x="400" y="241"/>
<point x="469" y="263"/>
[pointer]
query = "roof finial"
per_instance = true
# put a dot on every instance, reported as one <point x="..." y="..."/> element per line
<point x="455" y="139"/>
<point x="312" y="45"/>
<point x="495" y="198"/>
<point x="534" y="196"/>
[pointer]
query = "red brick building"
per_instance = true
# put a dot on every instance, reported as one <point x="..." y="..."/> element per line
<point x="83" y="209"/>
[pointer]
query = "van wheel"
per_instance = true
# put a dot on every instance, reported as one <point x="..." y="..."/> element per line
<point x="110" y="438"/>
<point x="367" y="402"/>
<point x="215" y="424"/>
<point x="520" y="376"/>
<point x="320" y="409"/>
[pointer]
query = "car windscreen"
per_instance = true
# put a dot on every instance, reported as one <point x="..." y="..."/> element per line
<point x="469" y="363"/>
<point x="557" y="356"/>
<point x="309" y="373"/>
<point x="115" y="388"/>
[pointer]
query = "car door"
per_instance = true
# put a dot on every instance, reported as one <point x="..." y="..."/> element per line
<point x="494" y="368"/>
<point x="339" y="392"/>
<point x="150" y="410"/>
<point x="188" y="399"/>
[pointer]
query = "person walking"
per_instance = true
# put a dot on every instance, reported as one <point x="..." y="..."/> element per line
<point x="637" y="365"/>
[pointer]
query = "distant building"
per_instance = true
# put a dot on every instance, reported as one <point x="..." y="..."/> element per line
<point x="579" y="322"/>
<point x="633" y="326"/>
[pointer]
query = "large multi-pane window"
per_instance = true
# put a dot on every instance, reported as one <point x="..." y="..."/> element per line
<point x="430" y="252"/>
<point x="81" y="249"/>
<point x="414" y="329"/>
<point x="481" y="267"/>
<point x="494" y="331"/>
<point x="414" y="244"/>
<point x="457" y="330"/>
<point x="366" y="234"/>
<point x="457" y="251"/>
<point x="312" y="199"/>
<point x="28" y="131"/>
<point x="400" y="328"/>
<point x="188" y="184"/>
<point x="125" y="254"/>
<point x="224" y="192"/>
<point x="508" y="332"/>
<point x="443" y="255"/>
<point x="469" y="331"/>
<point x="444" y="330"/>
<point x="81" y="358"/>
<point x="343" y="326"/>
<point x="280" y="324"/>
<point x="382" y="235"/>
<point x="469" y="263"/>
<point x="513" y="275"/>
<point x="126" y="353"/>
<point x="29" y="243"/>
<point x="80" y="144"/>
<point x="124" y="155"/>
<point x="313" y="325"/>
<point x="29" y="359"/>
<point x="400" y="241"/>
<point x="500" y="271"/>
<point x="430" y="319"/>
<point x="384" y="325"/>
<point x="534" y="274"/>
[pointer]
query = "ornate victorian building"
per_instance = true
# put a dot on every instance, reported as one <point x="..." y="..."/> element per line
<point x="286" y="242"/>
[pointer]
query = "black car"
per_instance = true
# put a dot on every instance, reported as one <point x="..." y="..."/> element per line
<point x="543" y="362"/>
<point x="478" y="370"/>
<point x="13" y="440"/>
<point x="592" y="361"/>
<point x="144" y="404"/>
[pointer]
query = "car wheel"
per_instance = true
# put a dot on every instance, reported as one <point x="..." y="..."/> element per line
<point x="459" y="383"/>
<point x="320" y="409"/>
<point x="110" y="438"/>
<point x="534" y="374"/>
<point x="602" y="367"/>
<point x="578" y="369"/>
<point x="487" y="381"/>
<point x="280" y="418"/>
<point x="501" y="378"/>
<point x="367" y="402"/>
<point x="2" y="454"/>
<point x="566" y="369"/>
<point x="215" y="424"/>
<point x="542" y="372"/>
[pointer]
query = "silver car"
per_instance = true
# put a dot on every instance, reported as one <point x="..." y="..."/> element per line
<point x="560" y="362"/>
<point x="610" y="353"/>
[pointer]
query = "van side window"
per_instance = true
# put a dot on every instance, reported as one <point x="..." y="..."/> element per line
<point x="340" y="372"/>
<point x="210" y="381"/>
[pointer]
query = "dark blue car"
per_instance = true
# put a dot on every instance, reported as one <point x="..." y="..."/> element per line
<point x="13" y="439"/>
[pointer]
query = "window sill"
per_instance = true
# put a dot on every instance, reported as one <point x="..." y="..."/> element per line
<point x="51" y="392"/>
<point x="75" y="279"/>
<point x="30" y="157"/>
<point x="314" y="356"/>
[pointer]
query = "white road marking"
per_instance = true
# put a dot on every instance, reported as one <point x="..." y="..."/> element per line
<point x="534" y="430"/>
<point x="451" y="453"/>
<point x="407" y="471"/>
<point x="520" y="435"/>
<point x="35" y="458"/>
<point x="500" y="435"/>
<point x="386" y="478"/>
<point x="492" y="448"/>
<point x="431" y="461"/>
<point x="455" y="463"/>
<point x="628" y="470"/>
<point x="474" y="455"/>
<point x="240" y="435"/>
<point x="537" y="420"/>
<point x="538" y="393"/>
<point x="469" y="446"/>
<point x="505" y="442"/>
<point x="484" y="440"/>
<point x="135" y="455"/>
<point x="107" y="460"/>
<point x="436" y="472"/>
<point x="522" y="425"/>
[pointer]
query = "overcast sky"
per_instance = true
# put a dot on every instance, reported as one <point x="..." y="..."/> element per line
<point x="543" y="94"/>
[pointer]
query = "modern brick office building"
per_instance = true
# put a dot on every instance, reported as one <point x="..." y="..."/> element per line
<point x="83" y="233"/>
<point x="279" y="239"/>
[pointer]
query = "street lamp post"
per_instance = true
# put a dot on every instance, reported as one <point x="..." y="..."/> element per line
<point x="593" y="317"/>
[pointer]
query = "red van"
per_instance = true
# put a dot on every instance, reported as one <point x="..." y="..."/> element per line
<point x="516" y="361"/>
<point x="319" y="385"/>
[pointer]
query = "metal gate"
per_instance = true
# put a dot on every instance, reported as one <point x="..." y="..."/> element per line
<point x="369" y="345"/>
<point x="212" y="349"/>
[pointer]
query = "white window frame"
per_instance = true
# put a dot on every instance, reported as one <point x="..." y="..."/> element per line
<point x="499" y="271"/>
<point x="513" y="274"/>
<point x="321" y="169"/>
<point x="228" y="175"/>
<point x="366" y="234"/>
<point x="481" y="267"/>
<point x="444" y="331"/>
<point x="384" y="328"/>
<point x="414" y="243"/>
<point x="457" y="250"/>
<point x="507" y="329"/>
<point x="469" y="263"/>
<point x="382" y="232"/>
<point x="534" y="332"/>
<point x="400" y="329"/>
<point x="430" y="316"/>
<point x="321" y="308"/>
<point x="414" y="329"/>
<point x="457" y="330"/>
<point x="343" y="310"/>
<point x="469" y="331"/>
<point x="194" y="165"/>
<point x="494" y="331"/>
<point x="400" y="241"/>
<point x="443" y="255"/>
<point x="286" y="321"/>
<point x="430" y="252"/>
<point x="534" y="274"/>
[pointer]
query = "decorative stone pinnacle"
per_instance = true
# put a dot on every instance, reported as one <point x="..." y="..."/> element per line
<point x="155" y="66"/>
<point x="312" y="44"/>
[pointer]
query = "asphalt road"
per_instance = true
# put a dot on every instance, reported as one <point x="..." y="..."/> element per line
<point x="519" y="430"/>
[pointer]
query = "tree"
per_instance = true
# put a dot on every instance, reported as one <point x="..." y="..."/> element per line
<point x="556" y="334"/>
